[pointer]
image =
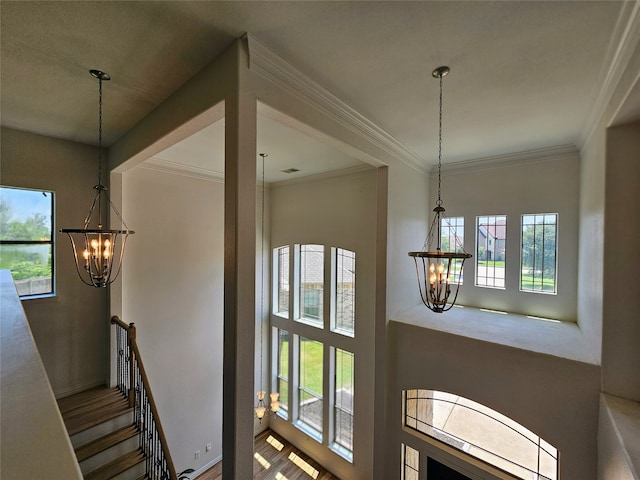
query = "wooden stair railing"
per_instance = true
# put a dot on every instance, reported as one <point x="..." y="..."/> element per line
<point x="133" y="383"/>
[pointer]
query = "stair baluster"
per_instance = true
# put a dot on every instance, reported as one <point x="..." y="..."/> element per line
<point x="133" y="384"/>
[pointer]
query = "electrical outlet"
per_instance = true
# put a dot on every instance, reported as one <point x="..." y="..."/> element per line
<point x="197" y="454"/>
<point x="208" y="447"/>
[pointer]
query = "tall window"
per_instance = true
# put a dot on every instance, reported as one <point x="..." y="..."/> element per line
<point x="282" y="374"/>
<point x="343" y="402"/>
<point x="281" y="280"/>
<point x="345" y="291"/>
<point x="491" y="245"/>
<point x="26" y="239"/>
<point x="310" y="385"/>
<point x="452" y="240"/>
<point x="318" y="396"/>
<point x="538" y="253"/>
<point x="312" y="284"/>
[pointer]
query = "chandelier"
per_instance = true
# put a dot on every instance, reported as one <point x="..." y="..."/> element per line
<point x="439" y="273"/>
<point x="97" y="251"/>
<point x="261" y="408"/>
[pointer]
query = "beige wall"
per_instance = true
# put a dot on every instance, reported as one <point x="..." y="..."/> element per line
<point x="173" y="293"/>
<point x="553" y="397"/>
<point x="591" y="246"/>
<point x="621" y="329"/>
<point x="71" y="329"/>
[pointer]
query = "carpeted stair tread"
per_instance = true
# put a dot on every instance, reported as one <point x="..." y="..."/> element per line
<point x="100" y="444"/>
<point x="116" y="467"/>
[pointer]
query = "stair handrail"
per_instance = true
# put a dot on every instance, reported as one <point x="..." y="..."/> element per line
<point x="129" y="391"/>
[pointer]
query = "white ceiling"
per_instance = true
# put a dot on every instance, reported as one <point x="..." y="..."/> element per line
<point x="203" y="153"/>
<point x="524" y="74"/>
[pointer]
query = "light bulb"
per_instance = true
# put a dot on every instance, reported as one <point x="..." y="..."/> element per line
<point x="432" y="278"/>
<point x="432" y="267"/>
<point x="274" y="396"/>
<point x="94" y="243"/>
<point x="260" y="412"/>
<point x="260" y="395"/>
<point x="85" y="254"/>
<point x="440" y="267"/>
<point x="275" y="406"/>
<point x="107" y="243"/>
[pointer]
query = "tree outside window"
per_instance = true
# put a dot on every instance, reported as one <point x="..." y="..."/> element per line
<point x="26" y="239"/>
<point x="538" y="253"/>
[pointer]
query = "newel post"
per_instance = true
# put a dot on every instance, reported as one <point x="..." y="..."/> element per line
<point x="131" y="338"/>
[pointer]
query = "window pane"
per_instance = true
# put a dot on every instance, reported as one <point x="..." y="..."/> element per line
<point x="282" y="378"/>
<point x="282" y="281"/>
<point x="410" y="463"/>
<point x="312" y="283"/>
<point x="26" y="239"/>
<point x="30" y="267"/>
<point x="538" y="253"/>
<point x="345" y="291"/>
<point x="310" y="384"/>
<point x="452" y="240"/>
<point x="491" y="245"/>
<point x="343" y="401"/>
<point x="25" y="214"/>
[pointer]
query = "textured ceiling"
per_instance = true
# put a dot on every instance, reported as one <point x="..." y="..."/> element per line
<point x="524" y="75"/>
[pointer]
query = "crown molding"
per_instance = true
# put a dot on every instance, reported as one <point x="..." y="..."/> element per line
<point x="266" y="63"/>
<point x="624" y="41"/>
<point x="173" y="168"/>
<point x="551" y="154"/>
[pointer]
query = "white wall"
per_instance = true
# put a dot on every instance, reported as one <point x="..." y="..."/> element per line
<point x="71" y="329"/>
<point x="545" y="182"/>
<point x="173" y="292"/>
<point x="339" y="212"/>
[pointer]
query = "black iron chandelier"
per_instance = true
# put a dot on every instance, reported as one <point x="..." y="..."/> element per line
<point x="439" y="273"/>
<point x="98" y="252"/>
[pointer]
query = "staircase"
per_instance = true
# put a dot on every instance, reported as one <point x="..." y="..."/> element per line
<point x="106" y="441"/>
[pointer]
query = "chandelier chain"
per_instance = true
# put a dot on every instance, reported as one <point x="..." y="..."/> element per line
<point x="100" y="133"/>
<point x="439" y="202"/>
<point x="262" y="270"/>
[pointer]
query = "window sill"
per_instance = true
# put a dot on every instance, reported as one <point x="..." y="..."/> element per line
<point x="550" y="337"/>
<point x="46" y="298"/>
<point x="342" y="451"/>
<point x="311" y="432"/>
<point x="624" y="417"/>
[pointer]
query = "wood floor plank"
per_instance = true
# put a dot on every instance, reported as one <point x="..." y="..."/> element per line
<point x="278" y="461"/>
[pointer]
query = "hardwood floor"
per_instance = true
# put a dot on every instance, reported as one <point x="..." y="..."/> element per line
<point x="276" y="459"/>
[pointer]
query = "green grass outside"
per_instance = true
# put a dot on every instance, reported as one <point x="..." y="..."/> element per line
<point x="311" y="353"/>
<point x="548" y="285"/>
<point x="491" y="263"/>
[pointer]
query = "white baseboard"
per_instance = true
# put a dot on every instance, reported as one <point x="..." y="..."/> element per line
<point x="206" y="467"/>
